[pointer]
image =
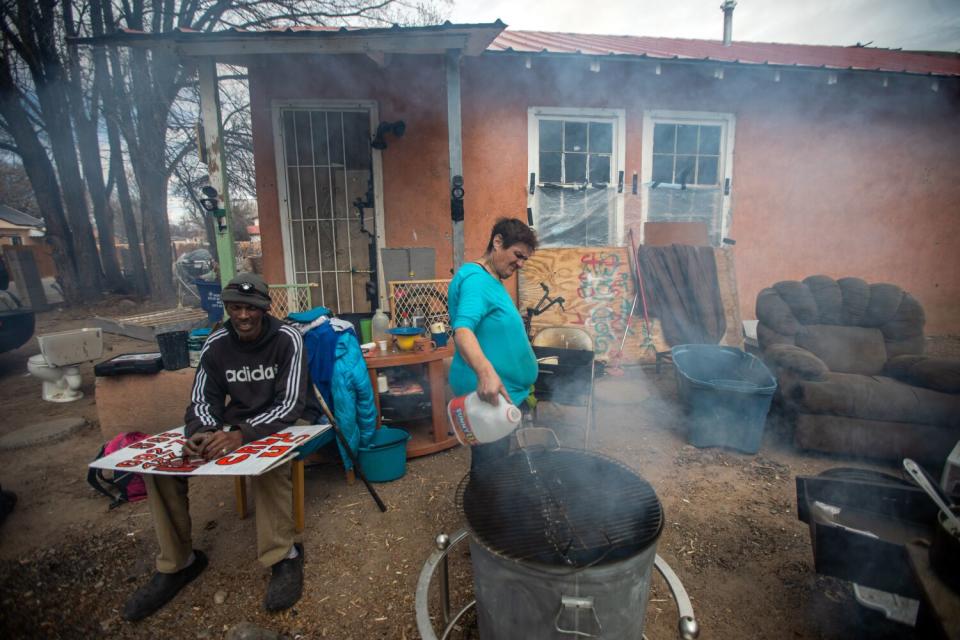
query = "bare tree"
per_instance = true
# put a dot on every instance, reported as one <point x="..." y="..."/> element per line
<point x="57" y="100"/>
<point x="33" y="90"/>
<point x="16" y="190"/>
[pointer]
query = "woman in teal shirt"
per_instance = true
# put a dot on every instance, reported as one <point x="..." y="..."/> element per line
<point x="493" y="357"/>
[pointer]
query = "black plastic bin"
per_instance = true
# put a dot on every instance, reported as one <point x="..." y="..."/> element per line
<point x="173" y="350"/>
<point x="726" y="393"/>
<point x="569" y="381"/>
<point x="129" y="363"/>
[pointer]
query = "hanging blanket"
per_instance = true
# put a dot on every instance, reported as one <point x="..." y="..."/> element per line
<point x="683" y="291"/>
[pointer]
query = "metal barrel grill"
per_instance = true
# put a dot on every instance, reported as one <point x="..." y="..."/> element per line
<point x="562" y="543"/>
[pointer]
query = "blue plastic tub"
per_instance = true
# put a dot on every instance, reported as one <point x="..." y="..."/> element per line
<point x="385" y="458"/>
<point x="726" y="393"/>
<point x="209" y="292"/>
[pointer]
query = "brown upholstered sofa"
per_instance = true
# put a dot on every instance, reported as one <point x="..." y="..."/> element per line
<point x="848" y="359"/>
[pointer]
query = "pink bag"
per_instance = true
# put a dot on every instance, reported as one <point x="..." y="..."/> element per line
<point x="129" y="486"/>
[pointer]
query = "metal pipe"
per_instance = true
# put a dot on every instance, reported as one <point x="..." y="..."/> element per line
<point x="688" y="627"/>
<point x="443" y="541"/>
<point x="727" y="7"/>
<point x="421" y="601"/>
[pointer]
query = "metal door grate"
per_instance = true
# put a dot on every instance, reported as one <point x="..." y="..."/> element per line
<point x="328" y="168"/>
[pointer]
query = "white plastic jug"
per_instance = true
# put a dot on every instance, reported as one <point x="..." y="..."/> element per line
<point x="379" y="325"/>
<point x="477" y="422"/>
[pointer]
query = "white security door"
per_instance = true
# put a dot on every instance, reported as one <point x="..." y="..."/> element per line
<point x="331" y="222"/>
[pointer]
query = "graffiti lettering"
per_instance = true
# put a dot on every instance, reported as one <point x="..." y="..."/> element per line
<point x="605" y="286"/>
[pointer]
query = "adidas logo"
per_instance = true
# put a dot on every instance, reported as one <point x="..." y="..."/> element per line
<point x="251" y="375"/>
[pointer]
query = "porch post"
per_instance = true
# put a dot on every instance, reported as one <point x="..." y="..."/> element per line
<point x="454" y="142"/>
<point x="216" y="163"/>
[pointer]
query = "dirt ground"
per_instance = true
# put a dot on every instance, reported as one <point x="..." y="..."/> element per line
<point x="67" y="562"/>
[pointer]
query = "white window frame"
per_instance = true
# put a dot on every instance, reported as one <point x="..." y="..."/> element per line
<point x="371" y="107"/>
<point x="617" y="117"/>
<point x="727" y="122"/>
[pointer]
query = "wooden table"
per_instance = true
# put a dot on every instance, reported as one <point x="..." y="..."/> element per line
<point x="437" y="439"/>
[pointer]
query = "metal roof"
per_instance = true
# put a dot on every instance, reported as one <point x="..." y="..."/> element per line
<point x="470" y="39"/>
<point x="853" y="58"/>
<point x="19" y="218"/>
<point x="474" y="39"/>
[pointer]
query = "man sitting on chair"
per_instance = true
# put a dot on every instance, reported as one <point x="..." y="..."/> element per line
<point x="260" y="364"/>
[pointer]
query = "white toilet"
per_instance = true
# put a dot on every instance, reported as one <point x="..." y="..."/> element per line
<point x="58" y="360"/>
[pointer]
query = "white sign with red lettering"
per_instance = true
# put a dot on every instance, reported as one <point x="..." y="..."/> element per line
<point x="162" y="454"/>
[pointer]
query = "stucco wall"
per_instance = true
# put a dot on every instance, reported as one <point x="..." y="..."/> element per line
<point x="415" y="167"/>
<point x="851" y="179"/>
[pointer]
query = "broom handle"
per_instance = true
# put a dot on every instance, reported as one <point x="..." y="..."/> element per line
<point x="633" y="308"/>
<point x="643" y="295"/>
<point x="346" y="446"/>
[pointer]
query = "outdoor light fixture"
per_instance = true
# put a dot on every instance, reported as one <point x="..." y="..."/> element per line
<point x="456" y="198"/>
<point x="211" y="204"/>
<point x="396" y="128"/>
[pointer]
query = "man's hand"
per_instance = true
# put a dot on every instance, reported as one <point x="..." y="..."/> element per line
<point x="194" y="445"/>
<point x="490" y="387"/>
<point x="221" y="443"/>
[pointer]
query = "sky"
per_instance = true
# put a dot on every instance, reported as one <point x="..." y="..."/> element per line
<point x="907" y="24"/>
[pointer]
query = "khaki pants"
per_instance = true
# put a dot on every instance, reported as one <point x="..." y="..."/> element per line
<point x="170" y="506"/>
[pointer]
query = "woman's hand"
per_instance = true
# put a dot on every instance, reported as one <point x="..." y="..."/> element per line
<point x="490" y="387"/>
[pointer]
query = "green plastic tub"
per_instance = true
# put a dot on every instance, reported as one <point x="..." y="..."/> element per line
<point x="385" y="459"/>
<point x="726" y="393"/>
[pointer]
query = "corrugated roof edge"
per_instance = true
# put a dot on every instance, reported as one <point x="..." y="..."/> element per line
<point x="307" y="31"/>
<point x="550" y="43"/>
<point x="686" y="59"/>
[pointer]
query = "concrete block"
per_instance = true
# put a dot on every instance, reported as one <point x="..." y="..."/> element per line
<point x="149" y="403"/>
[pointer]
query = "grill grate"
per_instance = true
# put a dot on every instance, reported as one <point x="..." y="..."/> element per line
<point x="561" y="507"/>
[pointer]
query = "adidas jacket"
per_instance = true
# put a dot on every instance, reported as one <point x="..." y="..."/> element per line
<point x="266" y="381"/>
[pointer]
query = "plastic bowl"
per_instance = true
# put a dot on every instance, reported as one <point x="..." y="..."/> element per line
<point x="405" y="337"/>
<point x="405" y="331"/>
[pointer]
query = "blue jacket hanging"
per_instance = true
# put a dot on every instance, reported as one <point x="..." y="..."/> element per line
<point x="339" y="372"/>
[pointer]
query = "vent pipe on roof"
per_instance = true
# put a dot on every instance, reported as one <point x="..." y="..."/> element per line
<point x="727" y="7"/>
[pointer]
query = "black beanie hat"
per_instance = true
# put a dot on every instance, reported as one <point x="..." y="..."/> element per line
<point x="247" y="288"/>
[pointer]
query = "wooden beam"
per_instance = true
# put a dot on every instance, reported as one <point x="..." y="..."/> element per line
<point x="216" y="163"/>
<point x="270" y="44"/>
<point x="381" y="58"/>
<point x="455" y="144"/>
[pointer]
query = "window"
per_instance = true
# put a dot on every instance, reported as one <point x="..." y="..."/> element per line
<point x="687" y="160"/>
<point x="686" y="153"/>
<point x="575" y="158"/>
<point x="575" y="152"/>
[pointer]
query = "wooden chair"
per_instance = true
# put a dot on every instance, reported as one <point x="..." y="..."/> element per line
<point x="565" y="360"/>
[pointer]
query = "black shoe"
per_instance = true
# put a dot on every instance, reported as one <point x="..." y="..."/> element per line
<point x="286" y="583"/>
<point x="161" y="589"/>
<point x="8" y="499"/>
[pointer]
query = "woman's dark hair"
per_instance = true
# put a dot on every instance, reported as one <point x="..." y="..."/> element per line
<point x="513" y="231"/>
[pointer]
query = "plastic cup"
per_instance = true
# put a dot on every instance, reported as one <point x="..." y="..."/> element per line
<point x="383" y="345"/>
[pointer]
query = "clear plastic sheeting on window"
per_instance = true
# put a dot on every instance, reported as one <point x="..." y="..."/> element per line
<point x="669" y="203"/>
<point x="575" y="216"/>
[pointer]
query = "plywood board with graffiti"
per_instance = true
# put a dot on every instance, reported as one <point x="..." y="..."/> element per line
<point x="598" y="289"/>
